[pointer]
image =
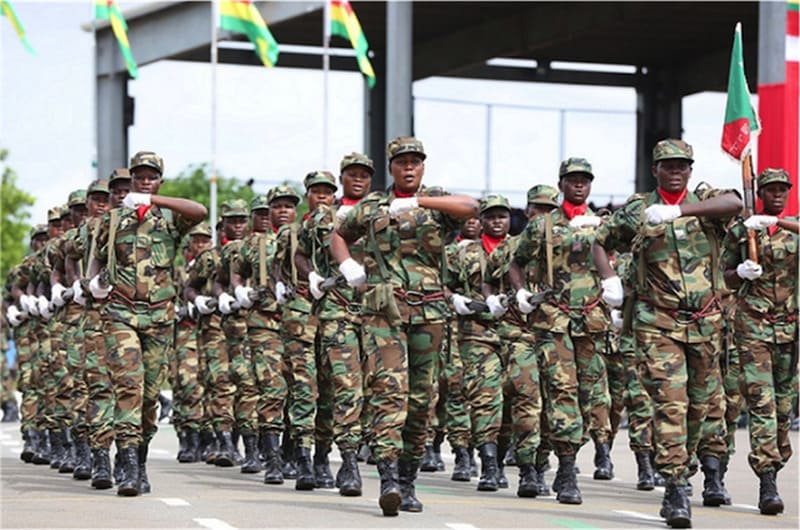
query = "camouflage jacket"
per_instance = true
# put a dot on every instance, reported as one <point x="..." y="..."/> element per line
<point x="286" y="246"/>
<point x="467" y="267"/>
<point x="229" y="255"/>
<point x="575" y="304"/>
<point x="258" y="247"/>
<point x="768" y="304"/>
<point x="406" y="253"/>
<point x="203" y="271"/>
<point x="671" y="267"/>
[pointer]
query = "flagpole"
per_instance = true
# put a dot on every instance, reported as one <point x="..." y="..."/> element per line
<point x="749" y="204"/>
<point x="94" y="95"/>
<point x="213" y="169"/>
<point x="326" y="39"/>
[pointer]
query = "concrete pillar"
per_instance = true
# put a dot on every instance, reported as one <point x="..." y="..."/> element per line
<point x="112" y="131"/>
<point x="658" y="116"/>
<point x="375" y="121"/>
<point x="399" y="58"/>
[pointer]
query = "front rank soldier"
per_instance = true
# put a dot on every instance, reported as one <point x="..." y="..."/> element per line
<point x="137" y="246"/>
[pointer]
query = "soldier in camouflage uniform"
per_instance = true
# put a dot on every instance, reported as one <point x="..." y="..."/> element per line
<point x="137" y="246"/>
<point x="7" y="397"/>
<point x="766" y="328"/>
<point x="338" y="345"/>
<point x="185" y="365"/>
<point x="252" y="275"/>
<point x="573" y="323"/>
<point x="298" y="333"/>
<point x="677" y="318"/>
<point x="404" y="309"/>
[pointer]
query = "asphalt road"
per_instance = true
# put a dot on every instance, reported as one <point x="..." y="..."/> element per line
<point x="203" y="496"/>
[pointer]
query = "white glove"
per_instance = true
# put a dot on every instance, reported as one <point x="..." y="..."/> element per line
<point x="662" y="213"/>
<point x="280" y="292"/>
<point x="314" y="280"/>
<point x="191" y="311"/>
<point x="579" y="221"/>
<point x="77" y="293"/>
<point x="497" y="305"/>
<point x="28" y="304"/>
<point x="342" y="211"/>
<point x="97" y="291"/>
<point x="522" y="301"/>
<point x="14" y="316"/>
<point x="612" y="291"/>
<point x="757" y="222"/>
<point x="460" y="303"/>
<point x="227" y="304"/>
<point x="353" y="272"/>
<point x="402" y="205"/>
<point x="616" y="318"/>
<point x="242" y="293"/>
<point x="56" y="294"/>
<point x="44" y="308"/>
<point x="749" y="270"/>
<point x="134" y="200"/>
<point x="202" y="304"/>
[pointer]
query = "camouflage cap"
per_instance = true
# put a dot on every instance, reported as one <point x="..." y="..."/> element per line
<point x="77" y="198"/>
<point x="543" y="194"/>
<point x="54" y="213"/>
<point x="494" y="201"/>
<point x="120" y="173"/>
<point x="282" y="191"/>
<point x="320" y="177"/>
<point x="234" y="208"/>
<point x="672" y="148"/>
<point x="38" y="230"/>
<point x="357" y="159"/>
<point x="259" y="202"/>
<point x="770" y="175"/>
<point x="575" y="165"/>
<point x="202" y="229"/>
<point x="97" y="186"/>
<point x="404" y="144"/>
<point x="65" y="211"/>
<point x="148" y="159"/>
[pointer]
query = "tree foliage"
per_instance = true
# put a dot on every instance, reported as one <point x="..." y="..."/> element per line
<point x="192" y="183"/>
<point x="14" y="205"/>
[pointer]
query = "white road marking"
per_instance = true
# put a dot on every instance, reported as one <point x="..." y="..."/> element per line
<point x="745" y="506"/>
<point x="214" y="524"/>
<point x="174" y="501"/>
<point x="159" y="451"/>
<point x="638" y="515"/>
<point x="461" y="526"/>
<point x="9" y="442"/>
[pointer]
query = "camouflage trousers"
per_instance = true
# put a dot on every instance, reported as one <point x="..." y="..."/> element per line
<point x="578" y="400"/>
<point x="617" y="383"/>
<point x="637" y="400"/>
<point x="137" y="359"/>
<point x="41" y="376"/>
<point x="341" y="380"/>
<point x="298" y="334"/>
<point x="399" y="372"/>
<point x="718" y="435"/>
<point x="102" y="401"/>
<point x="185" y="379"/>
<point x="684" y="380"/>
<point x="242" y="373"/>
<point x="769" y="384"/>
<point x="61" y="382"/>
<point x="270" y="369"/>
<point x="76" y="365"/>
<point x="483" y="387"/>
<point x="450" y="413"/>
<point x="218" y="386"/>
<point x="25" y="361"/>
<point x="522" y="404"/>
<point x="6" y="381"/>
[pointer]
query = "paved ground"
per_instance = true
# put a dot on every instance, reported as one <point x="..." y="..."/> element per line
<point x="202" y="496"/>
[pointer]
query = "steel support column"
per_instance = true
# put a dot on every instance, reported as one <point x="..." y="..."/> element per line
<point x="658" y="116"/>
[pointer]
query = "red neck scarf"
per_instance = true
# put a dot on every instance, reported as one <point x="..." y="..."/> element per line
<point x="275" y="228"/>
<point x="573" y="209"/>
<point x="670" y="197"/>
<point x="349" y="202"/>
<point x="400" y="195"/>
<point x="141" y="211"/>
<point x="490" y="243"/>
<point x="224" y="241"/>
<point x="772" y="229"/>
<point x="306" y="216"/>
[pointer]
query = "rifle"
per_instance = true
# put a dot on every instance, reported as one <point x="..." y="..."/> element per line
<point x="534" y="299"/>
<point x="749" y="205"/>
<point x="334" y="281"/>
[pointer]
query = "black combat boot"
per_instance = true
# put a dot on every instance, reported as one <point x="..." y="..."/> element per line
<point x="604" y="469"/>
<point x="323" y="478"/>
<point x="723" y="469"/>
<point x="83" y="460"/>
<point x="226" y="456"/>
<point x="645" y="471"/>
<point x="288" y="451"/>
<point x="461" y="471"/>
<point x="41" y="456"/>
<point x="208" y="446"/>
<point x="144" y="482"/>
<point x="676" y="508"/>
<point x="10" y="411"/>
<point x="305" y="472"/>
<point x="473" y="464"/>
<point x="68" y="461"/>
<point x="428" y="460"/>
<point x="390" y="498"/>
<point x="128" y="485"/>
<point x="527" y="481"/>
<point x="348" y="477"/>
<point x="363" y="453"/>
<point x="502" y="480"/>
<point x="192" y="453"/>
<point x="181" y="456"/>
<point x="407" y="474"/>
<point x="273" y="474"/>
<point x="101" y="469"/>
<point x="30" y="437"/>
<point x="438" y="438"/>
<point x="769" y="502"/>
<point x="567" y="492"/>
<point x="713" y="492"/>
<point x="541" y="484"/>
<point x="119" y="470"/>
<point x="251" y="462"/>
<point x="238" y="459"/>
<point x="489" y="471"/>
<point x="57" y="443"/>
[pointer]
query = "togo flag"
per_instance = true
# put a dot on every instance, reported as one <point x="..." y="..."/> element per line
<point x="741" y="121"/>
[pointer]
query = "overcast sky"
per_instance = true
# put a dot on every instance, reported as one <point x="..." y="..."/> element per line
<point x="270" y="129"/>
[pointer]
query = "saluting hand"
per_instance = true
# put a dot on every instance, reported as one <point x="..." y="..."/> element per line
<point x="662" y="213"/>
<point x="580" y="221"/>
<point x="759" y="222"/>
<point x="134" y="200"/>
<point x="402" y="205"/>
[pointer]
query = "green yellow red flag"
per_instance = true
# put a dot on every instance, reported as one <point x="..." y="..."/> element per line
<point x="741" y="124"/>
<point x="109" y="10"/>
<point x="242" y="16"/>
<point x="344" y="23"/>
<point x="7" y="10"/>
